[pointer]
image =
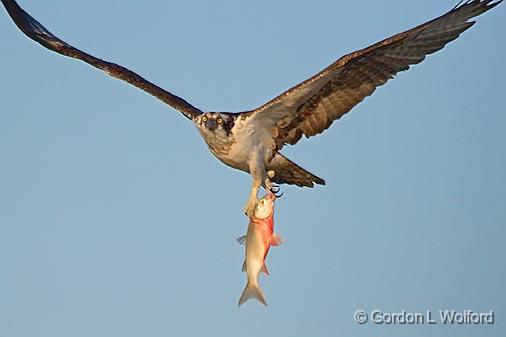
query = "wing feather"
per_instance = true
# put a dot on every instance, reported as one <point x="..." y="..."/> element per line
<point x="37" y="32"/>
<point x="312" y="106"/>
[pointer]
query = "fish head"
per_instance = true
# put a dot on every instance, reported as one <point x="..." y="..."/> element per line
<point x="265" y="207"/>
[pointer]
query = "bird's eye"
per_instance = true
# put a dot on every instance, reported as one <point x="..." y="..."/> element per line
<point x="220" y="120"/>
<point x="204" y="119"/>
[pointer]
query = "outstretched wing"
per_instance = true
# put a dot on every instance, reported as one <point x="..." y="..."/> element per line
<point x="37" y="32"/>
<point x="313" y="105"/>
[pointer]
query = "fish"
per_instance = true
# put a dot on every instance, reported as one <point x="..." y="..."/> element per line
<point x="258" y="240"/>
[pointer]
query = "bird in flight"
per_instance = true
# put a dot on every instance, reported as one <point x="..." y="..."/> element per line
<point x="251" y="141"/>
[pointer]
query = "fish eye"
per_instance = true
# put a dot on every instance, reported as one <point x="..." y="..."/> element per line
<point x="204" y="119"/>
<point x="220" y="120"/>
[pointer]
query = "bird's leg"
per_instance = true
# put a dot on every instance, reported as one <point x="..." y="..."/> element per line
<point x="257" y="172"/>
<point x="252" y="202"/>
<point x="271" y="174"/>
<point x="269" y="186"/>
<point x="267" y="182"/>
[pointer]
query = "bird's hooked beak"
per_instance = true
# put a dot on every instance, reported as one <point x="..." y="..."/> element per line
<point x="211" y="124"/>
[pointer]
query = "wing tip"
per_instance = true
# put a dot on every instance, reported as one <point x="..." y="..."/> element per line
<point x="485" y="5"/>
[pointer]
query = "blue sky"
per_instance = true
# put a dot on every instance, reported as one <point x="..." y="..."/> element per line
<point x="115" y="219"/>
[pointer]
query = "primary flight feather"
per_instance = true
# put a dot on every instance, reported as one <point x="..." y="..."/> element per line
<point x="250" y="141"/>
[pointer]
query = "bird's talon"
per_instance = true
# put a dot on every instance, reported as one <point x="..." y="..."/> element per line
<point x="268" y="184"/>
<point x="275" y="189"/>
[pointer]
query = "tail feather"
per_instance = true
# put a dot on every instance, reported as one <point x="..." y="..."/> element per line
<point x="252" y="291"/>
<point x="287" y="172"/>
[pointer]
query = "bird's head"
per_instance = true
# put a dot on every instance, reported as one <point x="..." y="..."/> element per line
<point x="214" y="122"/>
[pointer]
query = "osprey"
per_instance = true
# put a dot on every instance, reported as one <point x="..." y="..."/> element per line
<point x="251" y="141"/>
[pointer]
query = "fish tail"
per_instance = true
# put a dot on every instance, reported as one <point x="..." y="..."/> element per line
<point x="252" y="291"/>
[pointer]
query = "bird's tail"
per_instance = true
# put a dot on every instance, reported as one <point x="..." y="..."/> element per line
<point x="287" y="172"/>
<point x="252" y="291"/>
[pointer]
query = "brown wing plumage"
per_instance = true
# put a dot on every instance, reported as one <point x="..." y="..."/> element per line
<point x="37" y="32"/>
<point x="312" y="106"/>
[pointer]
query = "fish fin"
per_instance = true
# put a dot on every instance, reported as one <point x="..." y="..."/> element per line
<point x="241" y="240"/>
<point x="252" y="291"/>
<point x="276" y="240"/>
<point x="244" y="266"/>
